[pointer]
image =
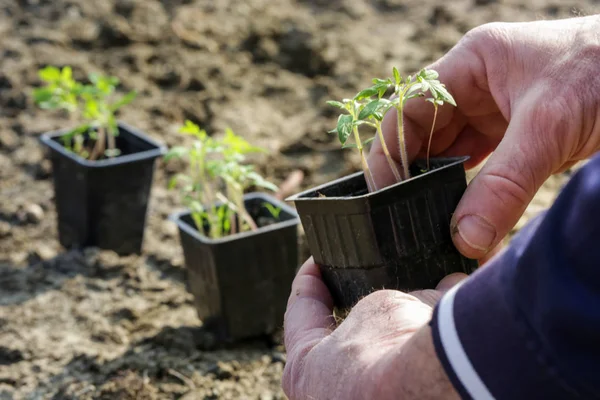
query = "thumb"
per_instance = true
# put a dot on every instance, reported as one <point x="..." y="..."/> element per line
<point x="497" y="197"/>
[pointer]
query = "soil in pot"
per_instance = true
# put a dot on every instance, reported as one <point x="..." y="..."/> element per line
<point x="104" y="203"/>
<point x="395" y="238"/>
<point x="241" y="282"/>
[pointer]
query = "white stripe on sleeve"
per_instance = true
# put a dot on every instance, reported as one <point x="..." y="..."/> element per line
<point x="454" y="350"/>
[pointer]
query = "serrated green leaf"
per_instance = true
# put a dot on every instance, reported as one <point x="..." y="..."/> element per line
<point x="366" y="93"/>
<point x="344" y="128"/>
<point x="397" y="76"/>
<point x="442" y="93"/>
<point x="369" y="109"/>
<point x="337" y="104"/>
<point x="429" y="74"/>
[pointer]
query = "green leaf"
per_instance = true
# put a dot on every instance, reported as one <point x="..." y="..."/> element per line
<point x="369" y="109"/>
<point x="176" y="152"/>
<point x="128" y="98"/>
<point x="366" y="93"/>
<point x="336" y="104"/>
<point x="344" y="128"/>
<point x="50" y="74"/>
<point x="429" y="74"/>
<point x="42" y="95"/>
<point x="397" y="76"/>
<point x="273" y="210"/>
<point x="442" y="93"/>
<point x="259" y="181"/>
<point x="369" y="140"/>
<point x="66" y="74"/>
<point x="350" y="146"/>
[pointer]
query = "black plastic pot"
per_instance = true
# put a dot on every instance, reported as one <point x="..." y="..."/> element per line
<point x="103" y="203"/>
<point x="241" y="282"/>
<point x="395" y="238"/>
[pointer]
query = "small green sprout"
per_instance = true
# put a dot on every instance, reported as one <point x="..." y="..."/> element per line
<point x="368" y="108"/>
<point x="273" y="210"/>
<point x="92" y="104"/>
<point x="217" y="175"/>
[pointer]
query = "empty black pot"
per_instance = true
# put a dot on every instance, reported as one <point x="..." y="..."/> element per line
<point x="395" y="238"/>
<point x="103" y="203"/>
<point x="241" y="282"/>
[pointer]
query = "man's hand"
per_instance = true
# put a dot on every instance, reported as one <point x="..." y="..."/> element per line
<point x="529" y="91"/>
<point x="382" y="350"/>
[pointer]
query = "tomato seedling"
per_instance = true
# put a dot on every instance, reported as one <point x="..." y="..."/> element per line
<point x="93" y="106"/>
<point x="217" y="178"/>
<point x="368" y="108"/>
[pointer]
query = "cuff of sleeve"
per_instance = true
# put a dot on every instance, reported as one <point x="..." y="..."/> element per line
<point x="487" y="351"/>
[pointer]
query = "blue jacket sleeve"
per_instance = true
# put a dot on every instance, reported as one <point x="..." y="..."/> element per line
<point x="527" y="325"/>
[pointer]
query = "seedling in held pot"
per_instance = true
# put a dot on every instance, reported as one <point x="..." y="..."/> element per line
<point x="368" y="108"/>
<point x="92" y="106"/>
<point x="400" y="233"/>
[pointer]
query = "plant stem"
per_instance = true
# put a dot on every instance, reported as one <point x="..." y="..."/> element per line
<point x="368" y="174"/>
<point x="111" y="142"/>
<point x="388" y="156"/>
<point x="402" y="142"/>
<point x="100" y="144"/>
<point x="431" y="133"/>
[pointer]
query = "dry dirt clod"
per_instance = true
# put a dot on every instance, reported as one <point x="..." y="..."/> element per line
<point x="5" y="229"/>
<point x="31" y="213"/>
<point x="44" y="252"/>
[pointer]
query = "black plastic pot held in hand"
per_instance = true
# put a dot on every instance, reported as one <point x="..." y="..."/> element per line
<point x="104" y="203"/>
<point x="395" y="238"/>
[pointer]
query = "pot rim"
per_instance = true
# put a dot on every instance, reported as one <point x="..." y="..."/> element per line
<point x="299" y="197"/>
<point x="158" y="150"/>
<point x="176" y="217"/>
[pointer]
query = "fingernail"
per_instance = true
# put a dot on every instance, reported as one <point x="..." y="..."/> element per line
<point x="476" y="232"/>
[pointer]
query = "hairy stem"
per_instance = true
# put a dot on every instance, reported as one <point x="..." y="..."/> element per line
<point x="431" y="133"/>
<point x="388" y="156"/>
<point x="402" y="141"/>
<point x="365" y="165"/>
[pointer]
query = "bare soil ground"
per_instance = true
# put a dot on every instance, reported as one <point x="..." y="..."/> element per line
<point x="91" y="325"/>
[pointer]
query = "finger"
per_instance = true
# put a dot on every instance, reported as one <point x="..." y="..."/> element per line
<point x="449" y="281"/>
<point x="309" y="314"/>
<point x="497" y="197"/>
<point x="464" y="73"/>
<point x="472" y="142"/>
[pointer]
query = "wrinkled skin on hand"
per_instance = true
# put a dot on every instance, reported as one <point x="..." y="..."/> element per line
<point x="528" y="92"/>
<point x="351" y="361"/>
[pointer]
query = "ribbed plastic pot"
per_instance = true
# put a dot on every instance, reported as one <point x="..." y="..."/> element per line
<point x="241" y="282"/>
<point x="395" y="238"/>
<point x="104" y="203"/>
